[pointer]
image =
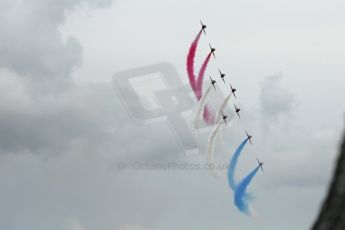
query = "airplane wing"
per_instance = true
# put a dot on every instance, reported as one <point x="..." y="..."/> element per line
<point x="223" y="80"/>
<point x="214" y="87"/>
<point x="260" y="164"/>
<point x="202" y="25"/>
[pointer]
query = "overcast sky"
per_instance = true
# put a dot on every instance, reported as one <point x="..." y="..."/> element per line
<point x="64" y="129"/>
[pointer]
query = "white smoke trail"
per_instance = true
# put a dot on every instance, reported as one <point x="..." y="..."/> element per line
<point x="210" y="150"/>
<point x="219" y="116"/>
<point x="221" y="109"/>
<point x="200" y="108"/>
<point x="221" y="137"/>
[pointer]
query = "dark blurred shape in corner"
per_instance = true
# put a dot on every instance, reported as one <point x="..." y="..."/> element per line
<point x="332" y="214"/>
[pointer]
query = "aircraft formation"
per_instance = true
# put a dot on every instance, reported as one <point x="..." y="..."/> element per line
<point x="240" y="194"/>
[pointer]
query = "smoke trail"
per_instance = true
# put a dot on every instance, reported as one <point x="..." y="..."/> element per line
<point x="196" y="84"/>
<point x="200" y="107"/>
<point x="201" y="75"/>
<point x="221" y="109"/>
<point x="219" y="116"/>
<point x="221" y="135"/>
<point x="208" y="117"/>
<point x="190" y="61"/>
<point x="241" y="201"/>
<point x="210" y="149"/>
<point x="233" y="164"/>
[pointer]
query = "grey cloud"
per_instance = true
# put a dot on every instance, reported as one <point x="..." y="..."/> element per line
<point x="53" y="123"/>
<point x="41" y="109"/>
<point x="30" y="42"/>
<point x="86" y="119"/>
<point x="47" y="113"/>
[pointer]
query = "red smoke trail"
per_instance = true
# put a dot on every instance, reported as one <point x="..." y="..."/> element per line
<point x="201" y="75"/>
<point x="196" y="84"/>
<point x="190" y="62"/>
<point x="208" y="116"/>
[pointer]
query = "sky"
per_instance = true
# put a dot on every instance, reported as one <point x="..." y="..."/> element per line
<point x="68" y="142"/>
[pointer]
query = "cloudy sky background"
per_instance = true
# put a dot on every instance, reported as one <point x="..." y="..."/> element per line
<point x="63" y="129"/>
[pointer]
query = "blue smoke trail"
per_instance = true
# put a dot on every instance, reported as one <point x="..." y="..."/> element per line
<point x="233" y="163"/>
<point x="241" y="201"/>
